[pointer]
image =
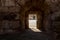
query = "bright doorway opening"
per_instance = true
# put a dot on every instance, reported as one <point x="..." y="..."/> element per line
<point x="33" y="22"/>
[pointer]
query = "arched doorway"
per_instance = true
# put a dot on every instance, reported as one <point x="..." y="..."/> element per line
<point x="33" y="20"/>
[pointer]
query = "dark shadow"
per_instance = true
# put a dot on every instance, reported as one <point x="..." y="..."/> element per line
<point x="30" y="30"/>
<point x="27" y="35"/>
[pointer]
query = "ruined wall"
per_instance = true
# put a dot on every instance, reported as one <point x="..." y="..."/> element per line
<point x="53" y="25"/>
<point x="6" y="24"/>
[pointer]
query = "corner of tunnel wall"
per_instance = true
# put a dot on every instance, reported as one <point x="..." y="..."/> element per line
<point x="39" y="20"/>
<point x="47" y="20"/>
<point x="22" y="18"/>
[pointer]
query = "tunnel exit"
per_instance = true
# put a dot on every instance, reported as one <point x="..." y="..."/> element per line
<point x="33" y="22"/>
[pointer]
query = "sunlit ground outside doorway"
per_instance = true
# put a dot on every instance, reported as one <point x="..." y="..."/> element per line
<point x="33" y="24"/>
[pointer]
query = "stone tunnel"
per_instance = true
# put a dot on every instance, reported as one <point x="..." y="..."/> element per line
<point x="14" y="16"/>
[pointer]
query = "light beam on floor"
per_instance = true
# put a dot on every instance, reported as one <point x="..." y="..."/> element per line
<point x="33" y="25"/>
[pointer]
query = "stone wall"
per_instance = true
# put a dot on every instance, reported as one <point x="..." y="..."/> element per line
<point x="9" y="26"/>
<point x="9" y="9"/>
<point x="53" y="25"/>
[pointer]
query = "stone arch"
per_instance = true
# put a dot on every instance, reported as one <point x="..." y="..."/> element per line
<point x="33" y="12"/>
<point x="41" y="6"/>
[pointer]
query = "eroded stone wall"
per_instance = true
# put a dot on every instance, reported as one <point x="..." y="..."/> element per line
<point x="9" y="26"/>
<point x="54" y="15"/>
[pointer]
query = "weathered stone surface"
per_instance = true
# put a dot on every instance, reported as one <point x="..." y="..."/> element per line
<point x="9" y="26"/>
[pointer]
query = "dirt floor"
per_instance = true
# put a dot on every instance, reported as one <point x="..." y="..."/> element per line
<point x="27" y="35"/>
